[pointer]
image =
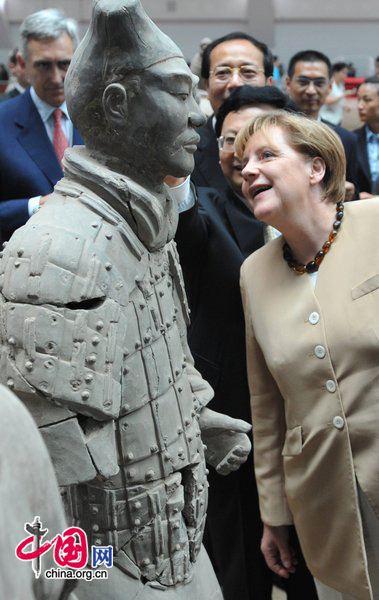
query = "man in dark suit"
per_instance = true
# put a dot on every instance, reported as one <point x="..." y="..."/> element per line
<point x="35" y="126"/>
<point x="215" y="234"/>
<point x="368" y="137"/>
<point x="309" y="83"/>
<point x="228" y="62"/>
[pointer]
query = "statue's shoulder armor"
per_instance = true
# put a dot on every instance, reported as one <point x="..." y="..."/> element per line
<point x="69" y="253"/>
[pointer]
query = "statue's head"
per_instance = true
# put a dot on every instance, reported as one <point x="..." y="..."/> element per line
<point x="129" y="91"/>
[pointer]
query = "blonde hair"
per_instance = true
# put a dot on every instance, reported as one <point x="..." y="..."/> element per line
<point x="310" y="138"/>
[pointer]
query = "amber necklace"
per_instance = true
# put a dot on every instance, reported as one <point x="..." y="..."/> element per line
<point x="314" y="264"/>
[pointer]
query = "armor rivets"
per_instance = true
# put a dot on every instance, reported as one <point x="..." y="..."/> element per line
<point x="48" y="364"/>
<point x="94" y="225"/>
<point x="201" y="502"/>
<point x="29" y="365"/>
<point x="142" y="305"/>
<point x="95" y="527"/>
<point x="10" y="384"/>
<point x="161" y="294"/>
<point x="166" y="456"/>
<point x="180" y="431"/>
<point x="179" y="578"/>
<point x="190" y="438"/>
<point x="126" y="407"/>
<point x="108" y="266"/>
<point x="20" y="251"/>
<point x="94" y="510"/>
<point x="124" y="426"/>
<point x="176" y="525"/>
<point x="125" y="370"/>
<point x="137" y="345"/>
<point x="85" y="395"/>
<point x="99" y="325"/>
<point x="150" y="474"/>
<point x="146" y="562"/>
<point x="193" y="413"/>
<point x="180" y="452"/>
<point x="153" y="449"/>
<point x="183" y="365"/>
<point x="170" y="380"/>
<point x="151" y="281"/>
<point x="11" y="341"/>
<point x="108" y="235"/>
<point x="147" y="339"/>
<point x="180" y="389"/>
<point x="200" y="487"/>
<point x="17" y="264"/>
<point x="131" y="473"/>
<point x="137" y="505"/>
<point x="137" y="522"/>
<point x="91" y="358"/>
<point x="187" y="422"/>
<point x="88" y="378"/>
<point x="177" y="372"/>
<point x="95" y="340"/>
<point x="169" y="284"/>
<point x="177" y="547"/>
<point x="138" y="279"/>
<point x="168" y="324"/>
<point x="156" y="276"/>
<point x="129" y="456"/>
<point x="126" y="352"/>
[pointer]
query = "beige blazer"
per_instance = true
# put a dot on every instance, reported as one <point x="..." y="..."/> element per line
<point x="313" y="365"/>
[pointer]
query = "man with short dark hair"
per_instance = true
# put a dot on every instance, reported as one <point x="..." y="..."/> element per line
<point x="20" y="84"/>
<point x="368" y="137"/>
<point x="309" y="83"/>
<point x="228" y="62"/>
<point x="35" y="126"/>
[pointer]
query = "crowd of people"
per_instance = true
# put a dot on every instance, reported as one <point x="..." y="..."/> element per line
<point x="273" y="171"/>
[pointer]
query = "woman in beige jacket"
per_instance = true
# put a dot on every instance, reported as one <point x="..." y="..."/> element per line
<point x="311" y="300"/>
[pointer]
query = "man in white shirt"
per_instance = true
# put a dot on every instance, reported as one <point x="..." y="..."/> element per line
<point x="34" y="133"/>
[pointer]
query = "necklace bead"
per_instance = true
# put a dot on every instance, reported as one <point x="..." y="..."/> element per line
<point x="314" y="264"/>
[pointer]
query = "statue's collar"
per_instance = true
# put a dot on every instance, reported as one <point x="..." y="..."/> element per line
<point x="152" y="217"/>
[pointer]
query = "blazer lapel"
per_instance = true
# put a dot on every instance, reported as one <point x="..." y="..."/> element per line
<point x="247" y="230"/>
<point x="34" y="139"/>
<point x="207" y="158"/>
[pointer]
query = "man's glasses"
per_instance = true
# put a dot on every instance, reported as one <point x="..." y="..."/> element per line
<point x="247" y="73"/>
<point x="226" y="142"/>
<point x="318" y="82"/>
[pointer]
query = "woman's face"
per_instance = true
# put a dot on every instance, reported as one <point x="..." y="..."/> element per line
<point x="277" y="178"/>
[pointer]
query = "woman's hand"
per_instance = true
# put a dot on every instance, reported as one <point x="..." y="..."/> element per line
<point x="275" y="547"/>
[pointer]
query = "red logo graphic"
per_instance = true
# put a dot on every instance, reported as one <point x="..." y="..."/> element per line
<point x="70" y="548"/>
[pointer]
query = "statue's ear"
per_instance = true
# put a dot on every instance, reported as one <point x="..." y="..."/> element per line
<point x="115" y="102"/>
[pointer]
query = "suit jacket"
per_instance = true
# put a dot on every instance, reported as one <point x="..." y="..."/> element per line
<point x="13" y="93"/>
<point x="364" y="174"/>
<point x="213" y="238"/>
<point x="28" y="163"/>
<point x="349" y="143"/>
<point x="207" y="171"/>
<point x="313" y="356"/>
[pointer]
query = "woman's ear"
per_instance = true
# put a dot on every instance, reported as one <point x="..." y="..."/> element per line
<point x="318" y="169"/>
<point x="115" y="103"/>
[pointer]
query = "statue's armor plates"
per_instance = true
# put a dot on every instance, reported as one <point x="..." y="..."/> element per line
<point x="93" y="340"/>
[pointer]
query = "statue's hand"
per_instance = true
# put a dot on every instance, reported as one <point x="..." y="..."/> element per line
<point x="227" y="444"/>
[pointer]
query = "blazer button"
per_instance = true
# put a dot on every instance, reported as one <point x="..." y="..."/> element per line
<point x="314" y="318"/>
<point x="320" y="351"/>
<point x="331" y="386"/>
<point x="338" y="422"/>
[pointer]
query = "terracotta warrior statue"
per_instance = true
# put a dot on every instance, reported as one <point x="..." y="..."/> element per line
<point x="94" y="314"/>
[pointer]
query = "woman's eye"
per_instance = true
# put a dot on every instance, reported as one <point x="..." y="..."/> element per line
<point x="267" y="154"/>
